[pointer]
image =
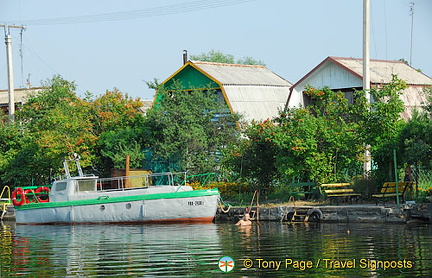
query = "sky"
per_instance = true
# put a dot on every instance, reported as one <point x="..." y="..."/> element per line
<point x="102" y="45"/>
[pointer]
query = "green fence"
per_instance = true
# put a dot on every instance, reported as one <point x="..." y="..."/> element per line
<point x="424" y="178"/>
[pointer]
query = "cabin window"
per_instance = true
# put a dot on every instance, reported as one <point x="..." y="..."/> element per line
<point x="86" y="185"/>
<point x="61" y="186"/>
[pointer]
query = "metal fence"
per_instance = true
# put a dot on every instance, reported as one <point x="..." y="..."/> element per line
<point x="423" y="177"/>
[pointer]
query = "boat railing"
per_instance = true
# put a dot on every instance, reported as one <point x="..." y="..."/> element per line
<point x="5" y="200"/>
<point x="5" y="195"/>
<point x="140" y="181"/>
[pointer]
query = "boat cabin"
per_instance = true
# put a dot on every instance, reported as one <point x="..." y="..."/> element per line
<point x="62" y="189"/>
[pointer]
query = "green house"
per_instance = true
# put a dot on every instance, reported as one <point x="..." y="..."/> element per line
<point x="253" y="91"/>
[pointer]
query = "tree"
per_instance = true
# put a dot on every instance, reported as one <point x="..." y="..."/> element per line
<point x="189" y="128"/>
<point x="252" y="158"/>
<point x="53" y="124"/>
<point x="323" y="141"/>
<point x="115" y="110"/>
<point x="220" y="57"/>
<point x="314" y="143"/>
<point x="382" y="124"/>
<point x="115" y="145"/>
<point x="414" y="141"/>
<point x="119" y="125"/>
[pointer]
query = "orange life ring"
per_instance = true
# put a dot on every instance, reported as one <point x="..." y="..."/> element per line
<point x="27" y="191"/>
<point x="40" y="190"/>
<point x="15" y="193"/>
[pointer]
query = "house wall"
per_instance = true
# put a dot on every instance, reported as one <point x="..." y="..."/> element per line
<point x="190" y="79"/>
<point x="329" y="75"/>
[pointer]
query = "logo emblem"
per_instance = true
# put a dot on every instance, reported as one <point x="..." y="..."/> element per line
<point x="226" y="264"/>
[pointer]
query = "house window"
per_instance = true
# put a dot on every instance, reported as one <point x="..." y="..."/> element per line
<point x="349" y="95"/>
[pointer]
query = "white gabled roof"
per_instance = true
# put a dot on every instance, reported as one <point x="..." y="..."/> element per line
<point x="381" y="71"/>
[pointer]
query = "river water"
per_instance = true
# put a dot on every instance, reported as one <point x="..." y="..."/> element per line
<point x="271" y="249"/>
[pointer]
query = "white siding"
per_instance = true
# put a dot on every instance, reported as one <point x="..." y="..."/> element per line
<point x="332" y="76"/>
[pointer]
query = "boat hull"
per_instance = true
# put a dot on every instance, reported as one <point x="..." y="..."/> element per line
<point x="186" y="206"/>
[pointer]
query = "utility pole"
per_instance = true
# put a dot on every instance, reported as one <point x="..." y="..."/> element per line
<point x="366" y="74"/>
<point x="412" y="29"/>
<point x="8" y="41"/>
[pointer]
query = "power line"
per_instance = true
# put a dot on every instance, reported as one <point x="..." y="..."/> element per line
<point x="40" y="59"/>
<point x="140" y="13"/>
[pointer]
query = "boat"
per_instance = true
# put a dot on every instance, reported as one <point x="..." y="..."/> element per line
<point x="160" y="197"/>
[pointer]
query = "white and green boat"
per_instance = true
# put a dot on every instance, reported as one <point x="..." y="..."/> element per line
<point x="134" y="199"/>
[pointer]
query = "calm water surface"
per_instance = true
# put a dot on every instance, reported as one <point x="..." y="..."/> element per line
<point x="271" y="249"/>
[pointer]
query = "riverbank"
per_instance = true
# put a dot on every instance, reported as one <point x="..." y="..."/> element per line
<point x="308" y="212"/>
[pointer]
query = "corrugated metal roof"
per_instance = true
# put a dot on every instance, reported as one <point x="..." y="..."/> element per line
<point x="256" y="102"/>
<point x="381" y="71"/>
<point x="253" y="91"/>
<point x="234" y="74"/>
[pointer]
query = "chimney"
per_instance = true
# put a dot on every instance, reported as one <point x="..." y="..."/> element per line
<point x="185" y="56"/>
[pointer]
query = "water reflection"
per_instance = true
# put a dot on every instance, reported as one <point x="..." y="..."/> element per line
<point x="309" y="250"/>
<point x="114" y="250"/>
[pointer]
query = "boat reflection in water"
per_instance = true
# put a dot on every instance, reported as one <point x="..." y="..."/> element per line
<point x="114" y="250"/>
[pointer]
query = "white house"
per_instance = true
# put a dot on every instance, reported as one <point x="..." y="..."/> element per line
<point x="346" y="74"/>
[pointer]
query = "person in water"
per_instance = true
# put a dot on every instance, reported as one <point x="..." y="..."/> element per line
<point x="245" y="221"/>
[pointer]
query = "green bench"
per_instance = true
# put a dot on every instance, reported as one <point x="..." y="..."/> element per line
<point x="390" y="190"/>
<point x="339" y="191"/>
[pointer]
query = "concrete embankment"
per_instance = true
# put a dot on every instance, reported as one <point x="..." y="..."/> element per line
<point x="342" y="213"/>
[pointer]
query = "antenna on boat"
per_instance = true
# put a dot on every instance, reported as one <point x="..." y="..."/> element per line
<point x="78" y="165"/>
<point x="66" y="168"/>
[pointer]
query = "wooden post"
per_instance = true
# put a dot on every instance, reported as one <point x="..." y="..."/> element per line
<point x="128" y="184"/>
<point x="396" y="177"/>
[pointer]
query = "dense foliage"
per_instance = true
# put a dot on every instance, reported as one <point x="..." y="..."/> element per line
<point x="322" y="142"/>
<point x="189" y="129"/>
<point x="55" y="123"/>
<point x="414" y="141"/>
